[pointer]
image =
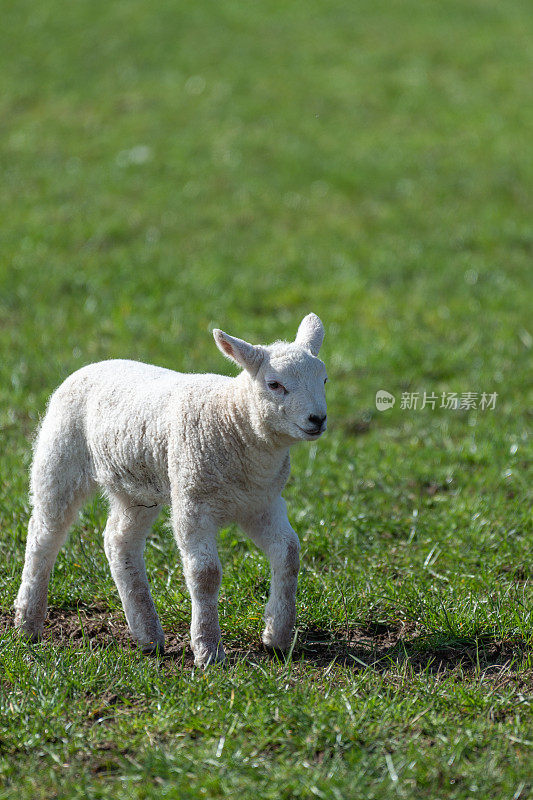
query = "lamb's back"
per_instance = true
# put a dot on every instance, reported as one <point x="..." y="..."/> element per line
<point x="125" y="409"/>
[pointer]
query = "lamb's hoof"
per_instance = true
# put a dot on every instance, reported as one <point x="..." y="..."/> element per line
<point x="207" y="658"/>
<point x="276" y="652"/>
<point x="26" y="631"/>
<point x="280" y="646"/>
<point x="31" y="638"/>
<point x="154" y="648"/>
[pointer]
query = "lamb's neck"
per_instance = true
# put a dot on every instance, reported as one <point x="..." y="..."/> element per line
<point x="242" y="424"/>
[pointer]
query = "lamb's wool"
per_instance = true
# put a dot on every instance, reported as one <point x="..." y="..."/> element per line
<point x="215" y="448"/>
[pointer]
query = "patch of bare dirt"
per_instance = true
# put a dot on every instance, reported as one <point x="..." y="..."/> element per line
<point x="99" y="628"/>
<point x="374" y="644"/>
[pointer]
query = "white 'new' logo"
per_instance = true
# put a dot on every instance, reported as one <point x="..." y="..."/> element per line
<point x="384" y="400"/>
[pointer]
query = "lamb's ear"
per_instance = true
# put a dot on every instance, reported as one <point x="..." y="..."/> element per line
<point x="242" y="353"/>
<point x="310" y="333"/>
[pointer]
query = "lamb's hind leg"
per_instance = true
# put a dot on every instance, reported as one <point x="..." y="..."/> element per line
<point x="125" y="535"/>
<point x="60" y="483"/>
<point x="47" y="532"/>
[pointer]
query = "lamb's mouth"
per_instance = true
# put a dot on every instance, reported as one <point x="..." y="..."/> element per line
<point x="314" y="433"/>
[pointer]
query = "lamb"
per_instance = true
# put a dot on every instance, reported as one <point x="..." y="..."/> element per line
<point x="215" y="447"/>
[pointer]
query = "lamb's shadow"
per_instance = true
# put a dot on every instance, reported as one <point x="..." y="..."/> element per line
<point x="383" y="648"/>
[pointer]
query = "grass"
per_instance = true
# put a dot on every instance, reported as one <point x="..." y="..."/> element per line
<point x="169" y="169"/>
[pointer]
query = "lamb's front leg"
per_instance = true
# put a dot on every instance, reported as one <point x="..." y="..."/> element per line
<point x="196" y="538"/>
<point x="272" y="532"/>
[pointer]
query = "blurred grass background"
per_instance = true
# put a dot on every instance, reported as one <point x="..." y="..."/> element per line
<point x="170" y="168"/>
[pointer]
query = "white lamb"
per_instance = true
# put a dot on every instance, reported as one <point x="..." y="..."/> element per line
<point x="215" y="448"/>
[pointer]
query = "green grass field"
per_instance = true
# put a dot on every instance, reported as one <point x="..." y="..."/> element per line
<point x="174" y="167"/>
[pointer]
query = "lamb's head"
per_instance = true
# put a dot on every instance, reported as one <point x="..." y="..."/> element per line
<point x="286" y="379"/>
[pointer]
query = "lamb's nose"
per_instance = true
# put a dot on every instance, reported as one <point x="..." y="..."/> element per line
<point x="317" y="421"/>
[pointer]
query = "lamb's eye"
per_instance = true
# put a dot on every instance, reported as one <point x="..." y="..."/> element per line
<point x="276" y="386"/>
